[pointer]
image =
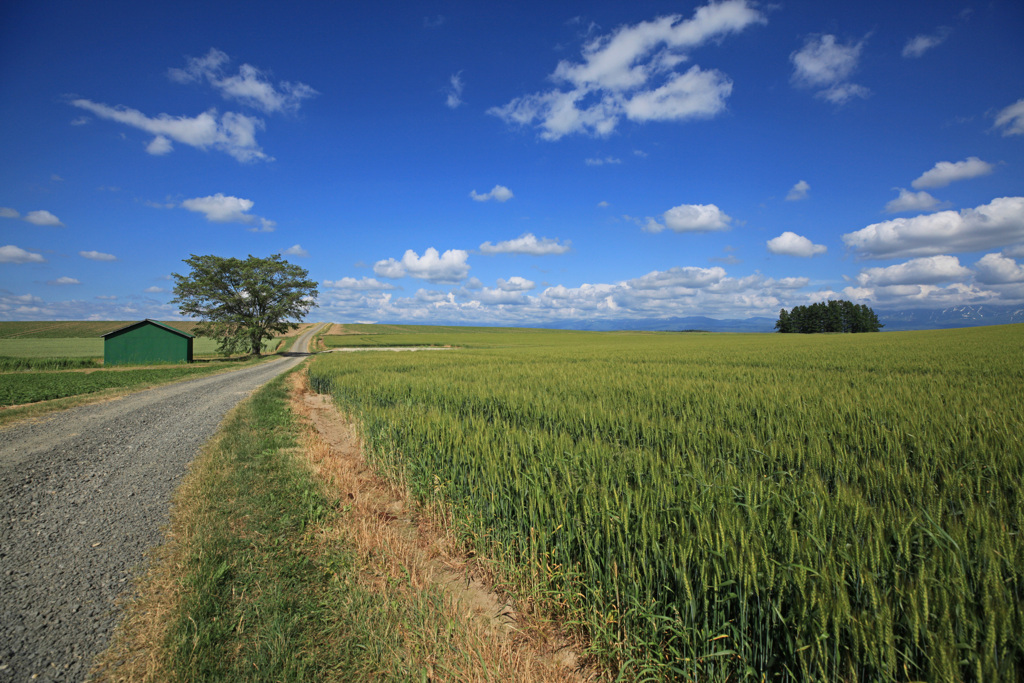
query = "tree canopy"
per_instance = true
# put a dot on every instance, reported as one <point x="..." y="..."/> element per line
<point x="243" y="303"/>
<point x="832" y="316"/>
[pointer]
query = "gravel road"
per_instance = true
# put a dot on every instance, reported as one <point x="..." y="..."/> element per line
<point x="83" y="494"/>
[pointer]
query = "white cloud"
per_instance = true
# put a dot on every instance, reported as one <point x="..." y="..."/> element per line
<point x="946" y="172"/>
<point x="63" y="281"/>
<point x="696" y="94"/>
<point x="296" y="250"/>
<point x="250" y="85"/>
<point x="454" y="92"/>
<point x="598" y="161"/>
<point x="6" y="212"/>
<point x="841" y="93"/>
<point x="928" y="270"/>
<point x="798" y="191"/>
<point x="914" y="201"/>
<point x="996" y="269"/>
<point x="631" y="73"/>
<point x="43" y="218"/>
<point x="364" y="284"/>
<point x="603" y="204"/>
<point x="233" y="134"/>
<point x="918" y="45"/>
<point x="97" y="256"/>
<point x="689" y="277"/>
<point x="159" y="146"/>
<point x="449" y="267"/>
<point x="691" y="218"/>
<point x="13" y="254"/>
<point x="526" y="244"/>
<point x="1011" y="119"/>
<point x="515" y="284"/>
<point x="792" y="244"/>
<point x="824" y="63"/>
<point x="220" y="208"/>
<point x="993" y="225"/>
<point x="154" y="290"/>
<point x="498" y="193"/>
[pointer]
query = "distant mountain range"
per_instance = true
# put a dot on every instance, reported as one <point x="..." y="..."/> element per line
<point x="896" y="320"/>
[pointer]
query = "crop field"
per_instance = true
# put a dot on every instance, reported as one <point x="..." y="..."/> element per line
<point x="728" y="507"/>
<point x="62" y="329"/>
<point x="29" y="387"/>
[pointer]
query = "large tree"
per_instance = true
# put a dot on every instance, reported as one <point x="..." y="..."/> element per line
<point x="243" y="303"/>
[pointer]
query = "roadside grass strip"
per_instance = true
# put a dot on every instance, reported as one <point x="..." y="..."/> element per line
<point x="257" y="580"/>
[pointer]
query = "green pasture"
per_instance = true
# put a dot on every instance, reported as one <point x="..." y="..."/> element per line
<point x="89" y="347"/>
<point x="727" y="506"/>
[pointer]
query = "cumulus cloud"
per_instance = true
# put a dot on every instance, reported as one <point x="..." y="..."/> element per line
<point x="296" y="250"/>
<point x="914" y="201"/>
<point x="631" y="73"/>
<point x="97" y="256"/>
<point x="792" y="244"/>
<point x="43" y="218"/>
<point x="928" y="270"/>
<point x="993" y="225"/>
<point x="946" y="172"/>
<point x="364" y="284"/>
<point x="13" y="254"/>
<point x="250" y="86"/>
<point x="220" y="208"/>
<point x="159" y="146"/>
<point x="449" y="267"/>
<point x="996" y="269"/>
<point x="920" y="44"/>
<point x="798" y="191"/>
<point x="454" y="91"/>
<point x="690" y="218"/>
<point x="599" y="161"/>
<point x="154" y="290"/>
<point x="498" y="193"/>
<point x="515" y="284"/>
<point x="63" y="281"/>
<point x="827" y="64"/>
<point x="1011" y="119"/>
<point x="526" y="244"/>
<point x="689" y="277"/>
<point x="232" y="133"/>
<point x="6" y="212"/>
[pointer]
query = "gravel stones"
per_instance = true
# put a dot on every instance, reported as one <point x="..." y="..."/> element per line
<point x="83" y="494"/>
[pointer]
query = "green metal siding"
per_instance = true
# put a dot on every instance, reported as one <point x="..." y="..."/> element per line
<point x="146" y="342"/>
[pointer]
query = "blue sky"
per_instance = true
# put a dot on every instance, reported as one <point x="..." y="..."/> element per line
<point x="514" y="163"/>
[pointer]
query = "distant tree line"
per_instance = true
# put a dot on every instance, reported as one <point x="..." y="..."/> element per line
<point x="830" y="316"/>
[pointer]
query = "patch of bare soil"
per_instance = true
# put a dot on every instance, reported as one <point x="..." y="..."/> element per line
<point x="397" y="537"/>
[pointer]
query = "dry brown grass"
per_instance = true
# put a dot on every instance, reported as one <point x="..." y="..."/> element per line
<point x="407" y="550"/>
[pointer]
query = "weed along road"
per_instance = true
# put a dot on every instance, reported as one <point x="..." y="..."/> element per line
<point x="83" y="495"/>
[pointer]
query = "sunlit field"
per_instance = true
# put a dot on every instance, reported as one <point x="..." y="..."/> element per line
<point x="828" y="507"/>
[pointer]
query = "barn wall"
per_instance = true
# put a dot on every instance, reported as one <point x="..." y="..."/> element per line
<point x="146" y="344"/>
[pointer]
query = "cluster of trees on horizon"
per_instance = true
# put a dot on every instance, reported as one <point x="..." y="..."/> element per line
<point x="836" y="315"/>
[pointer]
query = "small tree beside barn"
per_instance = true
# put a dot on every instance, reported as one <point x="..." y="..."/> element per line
<point x="145" y="342"/>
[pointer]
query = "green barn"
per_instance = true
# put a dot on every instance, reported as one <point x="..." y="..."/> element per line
<point x="145" y="342"/>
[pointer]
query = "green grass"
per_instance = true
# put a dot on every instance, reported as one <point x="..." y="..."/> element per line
<point x="29" y="387"/>
<point x="91" y="347"/>
<point x="723" y="507"/>
<point x="70" y="328"/>
<point x="9" y="364"/>
<point x="265" y="595"/>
